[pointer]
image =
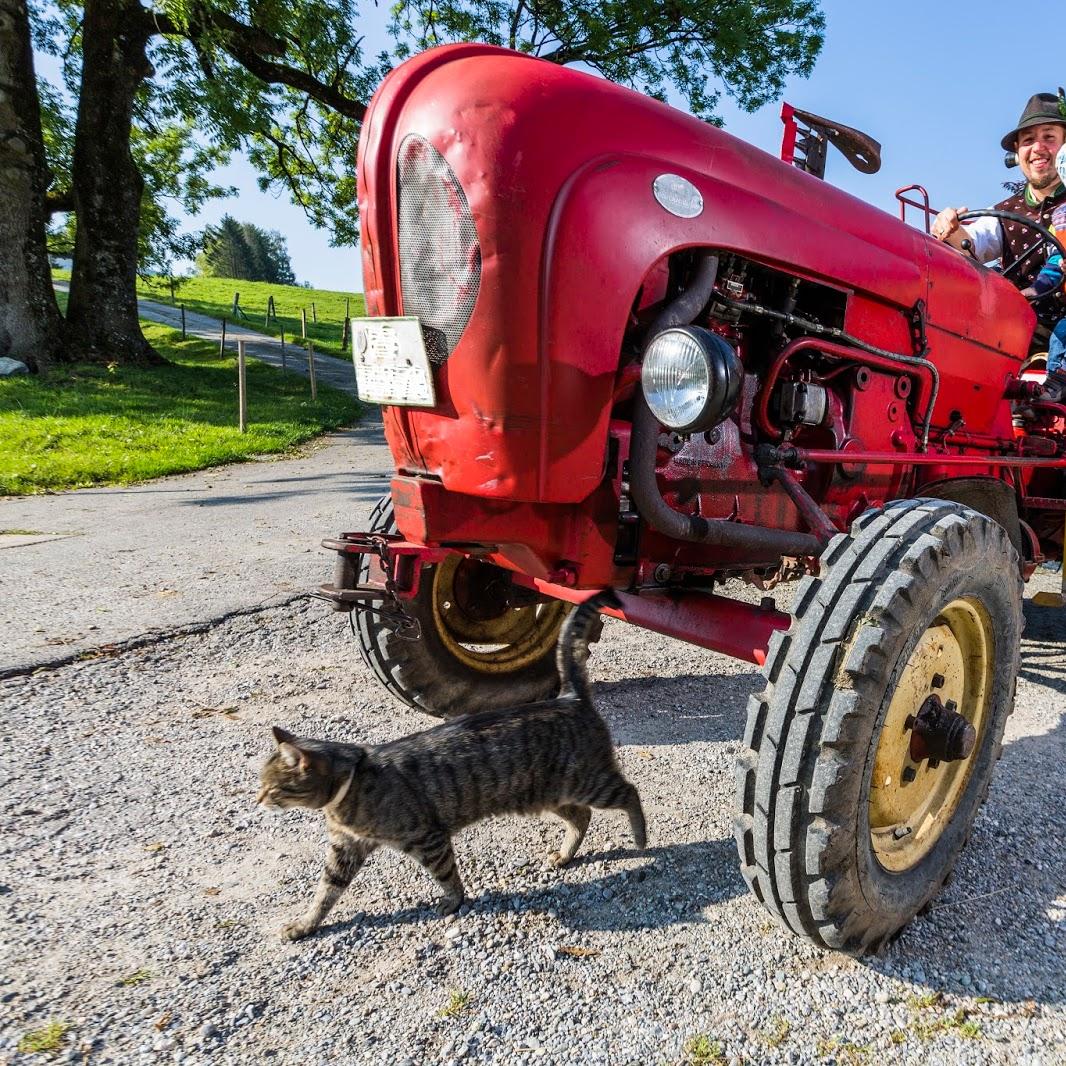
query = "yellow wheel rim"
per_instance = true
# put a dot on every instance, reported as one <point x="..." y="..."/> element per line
<point x="508" y="641"/>
<point x="913" y="802"/>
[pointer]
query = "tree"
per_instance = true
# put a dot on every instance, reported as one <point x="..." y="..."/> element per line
<point x="270" y="255"/>
<point x="235" y="249"/>
<point x="176" y="166"/>
<point x="287" y="79"/>
<point x="226" y="253"/>
<point x="748" y="47"/>
<point x="31" y="328"/>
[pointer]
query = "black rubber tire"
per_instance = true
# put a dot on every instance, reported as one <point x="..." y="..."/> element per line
<point x="803" y="774"/>
<point x="424" y="674"/>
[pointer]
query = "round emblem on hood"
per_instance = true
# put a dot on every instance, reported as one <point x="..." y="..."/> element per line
<point x="678" y="195"/>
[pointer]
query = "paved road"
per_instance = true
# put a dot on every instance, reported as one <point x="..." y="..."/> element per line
<point x="85" y="569"/>
<point x="95" y="566"/>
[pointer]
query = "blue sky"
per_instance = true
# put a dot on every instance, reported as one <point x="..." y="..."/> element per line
<point x="937" y="83"/>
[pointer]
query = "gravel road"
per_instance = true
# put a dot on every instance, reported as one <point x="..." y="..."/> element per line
<point x="141" y="891"/>
<point x="81" y="570"/>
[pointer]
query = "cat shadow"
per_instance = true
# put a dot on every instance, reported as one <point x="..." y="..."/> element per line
<point x="671" y="885"/>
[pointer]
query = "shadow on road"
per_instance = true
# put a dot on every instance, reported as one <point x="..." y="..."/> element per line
<point x="674" y="884"/>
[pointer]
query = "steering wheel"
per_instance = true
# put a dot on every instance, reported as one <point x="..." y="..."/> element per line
<point x="1045" y="237"/>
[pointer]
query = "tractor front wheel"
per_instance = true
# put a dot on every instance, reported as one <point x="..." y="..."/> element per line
<point x="483" y="642"/>
<point x="872" y="747"/>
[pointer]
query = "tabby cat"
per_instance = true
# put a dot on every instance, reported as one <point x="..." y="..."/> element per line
<point x="412" y="794"/>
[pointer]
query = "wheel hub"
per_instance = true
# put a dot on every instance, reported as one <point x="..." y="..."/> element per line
<point x="939" y="733"/>
<point x="932" y="727"/>
<point x="486" y="622"/>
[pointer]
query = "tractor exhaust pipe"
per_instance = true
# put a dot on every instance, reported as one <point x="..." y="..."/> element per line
<point x="759" y="541"/>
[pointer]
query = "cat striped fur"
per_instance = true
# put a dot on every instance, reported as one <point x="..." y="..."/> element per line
<point x="414" y="793"/>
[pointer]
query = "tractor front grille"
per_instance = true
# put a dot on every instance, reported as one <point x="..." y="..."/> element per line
<point x="440" y="255"/>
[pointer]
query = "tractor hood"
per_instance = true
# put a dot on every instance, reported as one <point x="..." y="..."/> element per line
<point x="557" y="170"/>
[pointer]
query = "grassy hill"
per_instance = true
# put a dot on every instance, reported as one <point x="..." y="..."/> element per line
<point x="88" y="424"/>
<point x="214" y="296"/>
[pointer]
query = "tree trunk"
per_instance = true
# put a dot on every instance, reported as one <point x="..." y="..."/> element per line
<point x="102" y="317"/>
<point x="31" y="327"/>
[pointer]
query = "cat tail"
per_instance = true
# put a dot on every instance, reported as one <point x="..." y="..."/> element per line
<point x="572" y="651"/>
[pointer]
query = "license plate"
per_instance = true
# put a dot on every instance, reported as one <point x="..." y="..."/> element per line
<point x="391" y="364"/>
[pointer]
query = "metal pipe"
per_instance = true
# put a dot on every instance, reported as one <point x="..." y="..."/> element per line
<point x="830" y="348"/>
<point x="855" y="343"/>
<point x="816" y="519"/>
<point x="761" y="542"/>
<point x="732" y="627"/>
<point x="793" y="456"/>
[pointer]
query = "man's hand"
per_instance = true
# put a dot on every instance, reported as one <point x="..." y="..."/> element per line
<point x="947" y="228"/>
<point x="1029" y="292"/>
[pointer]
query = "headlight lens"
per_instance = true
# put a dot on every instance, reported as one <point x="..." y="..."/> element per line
<point x="691" y="378"/>
<point x="440" y="255"/>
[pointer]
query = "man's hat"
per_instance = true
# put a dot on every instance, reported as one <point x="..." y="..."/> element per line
<point x="1042" y="108"/>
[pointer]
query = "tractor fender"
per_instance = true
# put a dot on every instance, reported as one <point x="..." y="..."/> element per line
<point x="988" y="495"/>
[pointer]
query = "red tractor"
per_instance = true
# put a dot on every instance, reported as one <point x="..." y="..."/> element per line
<point x="617" y="347"/>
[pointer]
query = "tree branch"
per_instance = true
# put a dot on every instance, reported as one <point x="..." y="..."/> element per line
<point x="512" y="40"/>
<point x="250" y="46"/>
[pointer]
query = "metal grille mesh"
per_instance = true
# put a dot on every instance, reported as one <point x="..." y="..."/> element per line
<point x="440" y="257"/>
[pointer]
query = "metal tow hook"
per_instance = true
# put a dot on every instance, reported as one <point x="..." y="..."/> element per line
<point x="939" y="733"/>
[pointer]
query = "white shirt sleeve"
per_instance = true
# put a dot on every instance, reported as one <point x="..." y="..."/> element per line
<point x="987" y="237"/>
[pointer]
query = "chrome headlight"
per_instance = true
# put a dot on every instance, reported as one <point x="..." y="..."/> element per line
<point x="691" y="378"/>
<point x="440" y="256"/>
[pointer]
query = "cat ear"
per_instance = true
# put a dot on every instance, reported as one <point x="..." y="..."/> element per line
<point x="290" y="755"/>
<point x="281" y="736"/>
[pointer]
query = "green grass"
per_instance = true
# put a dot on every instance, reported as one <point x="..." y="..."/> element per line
<point x="458" y="1001"/>
<point x="214" y="296"/>
<point x="92" y="425"/>
<point x="50" y="1038"/>
<point x="701" y="1050"/>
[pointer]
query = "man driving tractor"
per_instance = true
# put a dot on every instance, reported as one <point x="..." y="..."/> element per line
<point x="1040" y="133"/>
<point x="1036" y="141"/>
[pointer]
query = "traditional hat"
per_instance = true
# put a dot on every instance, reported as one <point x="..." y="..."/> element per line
<point x="1042" y="108"/>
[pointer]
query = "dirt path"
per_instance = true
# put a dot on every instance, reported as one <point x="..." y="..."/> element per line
<point x="95" y="566"/>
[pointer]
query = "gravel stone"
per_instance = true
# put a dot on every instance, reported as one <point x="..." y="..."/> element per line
<point x="145" y="892"/>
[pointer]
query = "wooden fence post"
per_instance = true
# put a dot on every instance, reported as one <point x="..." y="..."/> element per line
<point x="183" y="321"/>
<point x="283" y="366"/>
<point x="172" y="289"/>
<point x="314" y="313"/>
<point x="345" y="333"/>
<point x="242" y="388"/>
<point x="311" y="368"/>
<point x="236" y="305"/>
<point x="222" y="339"/>
<point x="303" y="323"/>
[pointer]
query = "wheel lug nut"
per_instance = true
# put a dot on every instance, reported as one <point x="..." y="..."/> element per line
<point x="937" y="682"/>
<point x="934" y="763"/>
<point x="951" y="705"/>
<point x="909" y="774"/>
<point x="901" y="831"/>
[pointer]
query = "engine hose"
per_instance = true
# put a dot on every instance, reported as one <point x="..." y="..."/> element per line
<point x="855" y="342"/>
<point x="686" y="306"/>
<point x="644" y="444"/>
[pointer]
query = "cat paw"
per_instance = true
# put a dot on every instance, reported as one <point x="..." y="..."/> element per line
<point x="297" y="931"/>
<point x="556" y="860"/>
<point x="449" y="905"/>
